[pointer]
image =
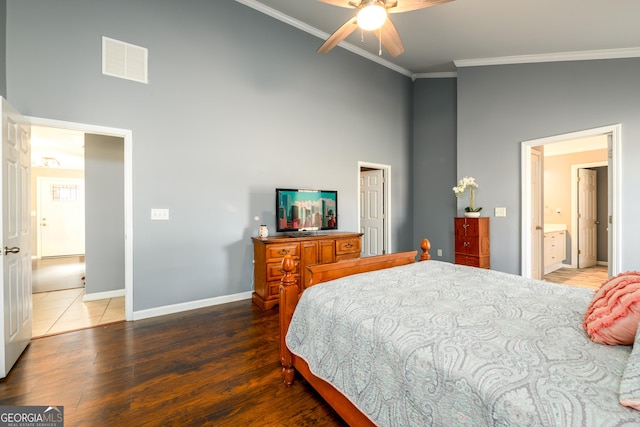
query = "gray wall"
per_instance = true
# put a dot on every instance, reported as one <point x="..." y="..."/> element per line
<point x="104" y="213"/>
<point x="434" y="160"/>
<point x="500" y="106"/>
<point x="238" y="104"/>
<point x="3" y="44"/>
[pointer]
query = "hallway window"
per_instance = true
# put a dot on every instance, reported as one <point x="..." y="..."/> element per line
<point x="64" y="193"/>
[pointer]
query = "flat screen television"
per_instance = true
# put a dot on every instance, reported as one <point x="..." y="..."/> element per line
<point x="306" y="210"/>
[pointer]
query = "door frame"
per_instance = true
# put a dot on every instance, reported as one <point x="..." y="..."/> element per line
<point x="127" y="136"/>
<point x="386" y="205"/>
<point x="614" y="184"/>
<point x="536" y="205"/>
<point x="574" y="205"/>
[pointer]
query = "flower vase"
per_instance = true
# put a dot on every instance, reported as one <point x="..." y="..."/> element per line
<point x="472" y="214"/>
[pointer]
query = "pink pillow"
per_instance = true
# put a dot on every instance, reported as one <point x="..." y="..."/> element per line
<point x="614" y="313"/>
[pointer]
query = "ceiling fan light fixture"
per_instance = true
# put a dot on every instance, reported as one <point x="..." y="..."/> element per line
<point x="372" y="16"/>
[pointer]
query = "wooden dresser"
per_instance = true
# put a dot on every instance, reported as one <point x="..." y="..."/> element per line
<point x="306" y="250"/>
<point x="472" y="245"/>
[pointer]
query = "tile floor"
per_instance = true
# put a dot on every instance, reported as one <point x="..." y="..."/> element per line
<point x="63" y="311"/>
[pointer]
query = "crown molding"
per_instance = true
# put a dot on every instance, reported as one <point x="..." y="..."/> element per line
<point x="322" y="35"/>
<point x="441" y="75"/>
<point x="587" y="55"/>
<point x="633" y="52"/>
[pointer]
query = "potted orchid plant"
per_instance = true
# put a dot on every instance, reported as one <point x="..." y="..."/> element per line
<point x="470" y="183"/>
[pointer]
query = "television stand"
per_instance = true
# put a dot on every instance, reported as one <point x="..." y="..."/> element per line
<point x="310" y="248"/>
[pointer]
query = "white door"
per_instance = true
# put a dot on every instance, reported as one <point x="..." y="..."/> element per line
<point x="16" y="251"/>
<point x="372" y="212"/>
<point x="537" y="225"/>
<point x="61" y="216"/>
<point x="587" y="218"/>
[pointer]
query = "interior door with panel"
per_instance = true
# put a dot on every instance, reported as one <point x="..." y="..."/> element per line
<point x="372" y="212"/>
<point x="587" y="218"/>
<point x="61" y="216"/>
<point x="16" y="251"/>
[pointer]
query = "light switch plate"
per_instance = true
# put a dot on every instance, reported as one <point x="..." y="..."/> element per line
<point x="501" y="212"/>
<point x="160" y="214"/>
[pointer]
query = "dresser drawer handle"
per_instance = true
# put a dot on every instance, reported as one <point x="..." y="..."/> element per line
<point x="465" y="225"/>
<point x="283" y="251"/>
<point x="466" y="243"/>
<point x="348" y="245"/>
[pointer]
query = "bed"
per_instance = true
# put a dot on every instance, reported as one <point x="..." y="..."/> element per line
<point x="388" y="341"/>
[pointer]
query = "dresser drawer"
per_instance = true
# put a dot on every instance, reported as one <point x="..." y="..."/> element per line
<point x="274" y="270"/>
<point x="347" y="246"/>
<point x="274" y="287"/>
<point x="277" y="252"/>
<point x="347" y="256"/>
<point x="467" y="260"/>
<point x="473" y="261"/>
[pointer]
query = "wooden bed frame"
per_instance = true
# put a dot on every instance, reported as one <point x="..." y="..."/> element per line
<point x="289" y="299"/>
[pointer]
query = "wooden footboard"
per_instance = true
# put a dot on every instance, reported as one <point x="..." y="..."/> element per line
<point x="289" y="300"/>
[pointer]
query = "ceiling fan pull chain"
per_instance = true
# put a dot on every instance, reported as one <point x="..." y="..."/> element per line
<point x="380" y="42"/>
<point x="361" y="36"/>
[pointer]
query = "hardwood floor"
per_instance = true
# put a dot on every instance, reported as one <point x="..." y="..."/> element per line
<point x="590" y="277"/>
<point x="214" y="366"/>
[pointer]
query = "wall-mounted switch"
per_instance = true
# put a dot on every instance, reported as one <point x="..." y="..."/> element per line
<point x="439" y="252"/>
<point x="501" y="212"/>
<point x="160" y="214"/>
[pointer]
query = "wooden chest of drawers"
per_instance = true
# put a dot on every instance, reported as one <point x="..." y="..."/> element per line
<point x="307" y="250"/>
<point x="472" y="244"/>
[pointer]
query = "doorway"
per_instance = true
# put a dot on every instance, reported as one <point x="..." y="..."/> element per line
<point x="373" y="208"/>
<point x="573" y="142"/>
<point x="63" y="299"/>
<point x="127" y="143"/>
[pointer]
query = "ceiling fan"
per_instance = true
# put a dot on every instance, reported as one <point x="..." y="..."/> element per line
<point x="371" y="15"/>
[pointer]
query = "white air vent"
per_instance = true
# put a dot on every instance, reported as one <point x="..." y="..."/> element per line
<point x="124" y="60"/>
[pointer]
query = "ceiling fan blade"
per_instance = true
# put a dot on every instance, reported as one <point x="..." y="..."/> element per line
<point x="408" y="5"/>
<point x="390" y="38"/>
<point x="341" y="3"/>
<point x="340" y="34"/>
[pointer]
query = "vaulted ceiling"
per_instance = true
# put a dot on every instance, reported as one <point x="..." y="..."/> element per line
<point x="479" y="32"/>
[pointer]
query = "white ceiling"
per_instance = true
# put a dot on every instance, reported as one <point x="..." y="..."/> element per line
<point x="590" y="143"/>
<point x="64" y="145"/>
<point x="476" y="32"/>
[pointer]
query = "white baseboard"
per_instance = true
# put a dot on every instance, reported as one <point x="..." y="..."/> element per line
<point x="102" y="295"/>
<point x="192" y="305"/>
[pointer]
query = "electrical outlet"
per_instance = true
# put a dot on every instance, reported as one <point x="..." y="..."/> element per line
<point x="439" y="252"/>
<point x="501" y="212"/>
<point x="160" y="214"/>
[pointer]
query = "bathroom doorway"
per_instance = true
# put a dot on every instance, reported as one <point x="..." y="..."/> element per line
<point x="559" y="215"/>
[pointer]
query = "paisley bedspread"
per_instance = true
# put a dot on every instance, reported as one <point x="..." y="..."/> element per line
<point x="438" y="344"/>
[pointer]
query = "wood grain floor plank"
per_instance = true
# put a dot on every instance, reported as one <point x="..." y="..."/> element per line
<point x="589" y="277"/>
<point x="214" y="366"/>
